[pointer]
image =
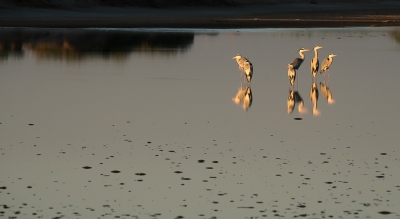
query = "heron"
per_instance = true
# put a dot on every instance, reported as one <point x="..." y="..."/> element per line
<point x="315" y="62"/>
<point x="246" y="65"/>
<point x="314" y="98"/>
<point x="297" y="61"/>
<point x="291" y="74"/>
<point x="326" y="64"/>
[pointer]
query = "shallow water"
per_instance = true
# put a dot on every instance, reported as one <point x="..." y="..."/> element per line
<point x="110" y="123"/>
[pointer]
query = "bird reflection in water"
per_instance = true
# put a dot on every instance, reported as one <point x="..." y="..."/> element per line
<point x="326" y="92"/>
<point x="245" y="65"/>
<point x="314" y="98"/>
<point x="244" y="97"/>
<point x="293" y="99"/>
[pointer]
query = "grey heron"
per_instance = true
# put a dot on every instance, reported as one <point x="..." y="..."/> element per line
<point x="245" y="65"/>
<point x="291" y="74"/>
<point x="326" y="93"/>
<point x="297" y="61"/>
<point x="314" y="98"/>
<point x="326" y="64"/>
<point x="315" y="62"/>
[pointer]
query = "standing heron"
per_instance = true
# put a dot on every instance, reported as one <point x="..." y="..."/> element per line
<point x="326" y="64"/>
<point x="315" y="62"/>
<point x="291" y="74"/>
<point x="246" y="65"/>
<point x="297" y="61"/>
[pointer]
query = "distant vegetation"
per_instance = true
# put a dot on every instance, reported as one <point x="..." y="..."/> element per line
<point x="78" y="44"/>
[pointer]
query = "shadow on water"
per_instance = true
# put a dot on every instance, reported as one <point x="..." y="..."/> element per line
<point x="80" y="44"/>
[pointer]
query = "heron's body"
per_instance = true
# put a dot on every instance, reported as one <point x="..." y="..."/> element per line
<point x="245" y="65"/>
<point x="297" y="61"/>
<point x="314" y="98"/>
<point x="291" y="74"/>
<point x="326" y="64"/>
<point x="315" y="62"/>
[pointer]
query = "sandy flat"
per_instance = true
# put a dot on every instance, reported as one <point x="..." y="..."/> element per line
<point x="242" y="16"/>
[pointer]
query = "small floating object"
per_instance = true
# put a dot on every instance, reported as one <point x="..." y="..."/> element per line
<point x="115" y="171"/>
<point x="298" y="118"/>
<point x="384" y="212"/>
<point x="200" y="161"/>
<point x="87" y="167"/>
<point x="140" y="174"/>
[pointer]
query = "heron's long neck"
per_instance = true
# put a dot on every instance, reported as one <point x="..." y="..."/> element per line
<point x="315" y="54"/>
<point x="301" y="55"/>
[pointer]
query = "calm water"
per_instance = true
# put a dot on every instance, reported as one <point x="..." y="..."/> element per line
<point x="143" y="124"/>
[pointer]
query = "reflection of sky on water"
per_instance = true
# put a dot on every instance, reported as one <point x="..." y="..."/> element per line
<point x="162" y="115"/>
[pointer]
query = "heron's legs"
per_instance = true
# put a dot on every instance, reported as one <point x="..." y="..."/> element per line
<point x="329" y="75"/>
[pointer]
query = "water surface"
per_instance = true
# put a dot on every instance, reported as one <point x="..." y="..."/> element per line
<point x="111" y="123"/>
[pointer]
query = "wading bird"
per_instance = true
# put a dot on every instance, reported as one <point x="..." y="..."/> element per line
<point x="297" y="61"/>
<point x="291" y="74"/>
<point x="245" y="65"/>
<point x="315" y="62"/>
<point x="326" y="64"/>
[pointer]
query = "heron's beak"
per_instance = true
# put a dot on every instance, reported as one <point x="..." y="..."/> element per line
<point x="333" y="55"/>
<point x="307" y="50"/>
